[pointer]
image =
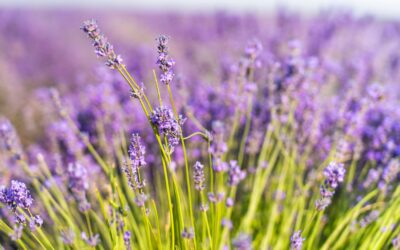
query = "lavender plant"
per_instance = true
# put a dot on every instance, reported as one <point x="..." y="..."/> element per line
<point x="262" y="157"/>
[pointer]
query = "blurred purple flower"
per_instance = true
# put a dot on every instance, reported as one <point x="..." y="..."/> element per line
<point x="198" y="176"/>
<point x="296" y="241"/>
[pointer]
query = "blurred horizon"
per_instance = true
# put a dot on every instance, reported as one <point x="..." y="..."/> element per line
<point x="381" y="9"/>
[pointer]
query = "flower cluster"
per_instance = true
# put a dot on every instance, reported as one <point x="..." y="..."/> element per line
<point x="18" y="196"/>
<point x="275" y="111"/>
<point x="167" y="125"/>
<point x="102" y="47"/>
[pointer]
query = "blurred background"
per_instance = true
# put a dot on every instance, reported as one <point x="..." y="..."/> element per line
<point x="41" y="44"/>
<point x="383" y="8"/>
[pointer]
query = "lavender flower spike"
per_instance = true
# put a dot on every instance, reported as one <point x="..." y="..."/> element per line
<point x="16" y="196"/>
<point x="78" y="184"/>
<point x="198" y="176"/>
<point x="164" y="62"/>
<point x="136" y="154"/>
<point x="102" y="47"/>
<point x="163" y="118"/>
<point x="334" y="174"/>
<point x="137" y="151"/>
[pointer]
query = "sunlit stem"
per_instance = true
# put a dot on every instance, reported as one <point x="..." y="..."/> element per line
<point x="186" y="165"/>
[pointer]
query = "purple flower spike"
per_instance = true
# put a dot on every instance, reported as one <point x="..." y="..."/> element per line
<point x="334" y="174"/>
<point x="102" y="47"/>
<point x="198" y="176"/>
<point x="253" y="48"/>
<point x="78" y="184"/>
<point x="163" y="118"/>
<point x="136" y="153"/>
<point x="16" y="196"/>
<point x="164" y="62"/>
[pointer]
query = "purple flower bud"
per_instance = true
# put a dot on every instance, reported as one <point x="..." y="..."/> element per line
<point x="215" y="198"/>
<point x="227" y="223"/>
<point x="68" y="236"/>
<point x="396" y="242"/>
<point x="229" y="202"/>
<point x="323" y="203"/>
<point x="325" y="192"/>
<point x="253" y="49"/>
<point x="17" y="234"/>
<point x="220" y="166"/>
<point x="188" y="233"/>
<point x="296" y="241"/>
<point x="242" y="242"/>
<point x="204" y="207"/>
<point x="235" y="174"/>
<point x="36" y="221"/>
<point x="92" y="241"/>
<point x="140" y="200"/>
<point x="127" y="240"/>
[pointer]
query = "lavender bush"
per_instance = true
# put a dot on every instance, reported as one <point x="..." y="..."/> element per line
<point x="290" y="140"/>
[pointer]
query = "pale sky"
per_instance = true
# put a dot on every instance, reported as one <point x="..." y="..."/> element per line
<point x="381" y="8"/>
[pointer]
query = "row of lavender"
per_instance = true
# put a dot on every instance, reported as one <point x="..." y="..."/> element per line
<point x="293" y="139"/>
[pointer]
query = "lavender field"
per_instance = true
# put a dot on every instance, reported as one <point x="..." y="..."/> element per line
<point x="129" y="130"/>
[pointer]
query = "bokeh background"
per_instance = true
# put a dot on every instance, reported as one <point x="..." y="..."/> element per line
<point x="41" y="44"/>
